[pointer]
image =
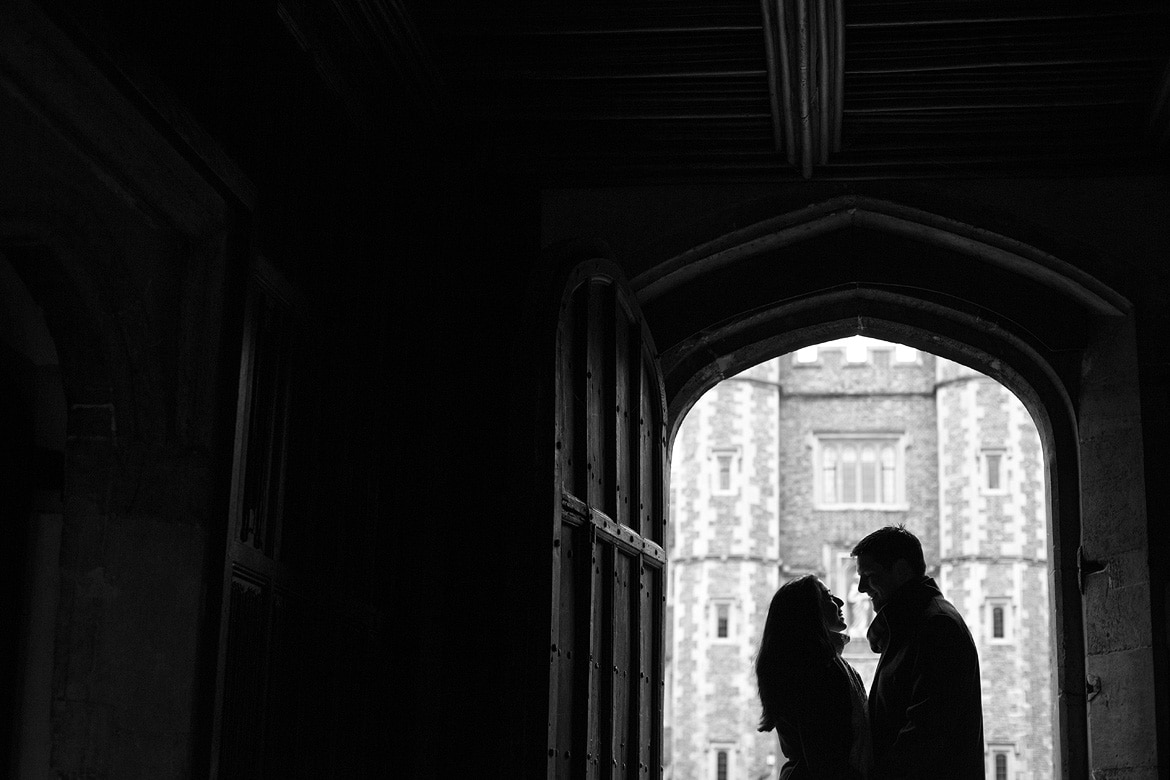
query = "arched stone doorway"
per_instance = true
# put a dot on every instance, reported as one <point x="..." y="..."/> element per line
<point x="1058" y="338"/>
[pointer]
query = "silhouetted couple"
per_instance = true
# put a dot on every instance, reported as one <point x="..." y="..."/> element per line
<point x="924" y="717"/>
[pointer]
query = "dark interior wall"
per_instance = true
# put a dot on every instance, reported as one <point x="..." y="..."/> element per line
<point x="410" y="255"/>
<point x="464" y="514"/>
<point x="424" y="333"/>
<point x="412" y="263"/>
<point x="123" y="258"/>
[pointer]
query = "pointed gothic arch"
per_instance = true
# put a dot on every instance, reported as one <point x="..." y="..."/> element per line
<point x="1056" y="336"/>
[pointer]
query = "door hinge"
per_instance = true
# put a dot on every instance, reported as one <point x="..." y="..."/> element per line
<point x="1085" y="567"/>
<point x="1092" y="687"/>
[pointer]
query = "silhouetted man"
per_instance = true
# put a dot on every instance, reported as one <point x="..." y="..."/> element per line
<point x="925" y="708"/>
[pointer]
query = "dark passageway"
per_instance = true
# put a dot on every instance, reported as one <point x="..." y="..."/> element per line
<point x="344" y="345"/>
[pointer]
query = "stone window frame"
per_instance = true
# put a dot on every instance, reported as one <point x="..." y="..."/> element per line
<point x="732" y="606"/>
<point x="985" y="471"/>
<point x="1006" y="604"/>
<point x="730" y="749"/>
<point x="1010" y="751"/>
<point x="818" y="440"/>
<point x="735" y="456"/>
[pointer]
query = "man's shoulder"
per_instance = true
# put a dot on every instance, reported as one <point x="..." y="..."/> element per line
<point x="938" y="605"/>
<point x="941" y="619"/>
<point x="929" y="605"/>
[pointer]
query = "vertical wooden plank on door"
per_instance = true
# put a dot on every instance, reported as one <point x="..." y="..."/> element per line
<point x="644" y="694"/>
<point x="567" y="660"/>
<point x="598" y="633"/>
<point x="652" y="492"/>
<point x="624" y="375"/>
<point x="619" y="615"/>
<point x="571" y="444"/>
<point x="634" y="389"/>
<point x="646" y="463"/>
<point x="625" y="721"/>
<point x="598" y="374"/>
<point x="652" y="696"/>
<point x="570" y="552"/>
<point x="601" y="497"/>
<point x="244" y="673"/>
<point x="598" y="367"/>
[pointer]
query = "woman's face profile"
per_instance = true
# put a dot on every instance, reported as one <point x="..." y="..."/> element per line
<point x="831" y="611"/>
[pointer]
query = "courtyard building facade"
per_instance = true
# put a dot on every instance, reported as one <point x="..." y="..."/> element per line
<point x="778" y="471"/>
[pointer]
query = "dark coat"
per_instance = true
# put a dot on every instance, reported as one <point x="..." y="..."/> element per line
<point x="815" y="725"/>
<point x="925" y="705"/>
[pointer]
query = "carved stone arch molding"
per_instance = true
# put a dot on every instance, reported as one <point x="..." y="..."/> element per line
<point x="47" y="260"/>
<point x="102" y="319"/>
<point x="1060" y="338"/>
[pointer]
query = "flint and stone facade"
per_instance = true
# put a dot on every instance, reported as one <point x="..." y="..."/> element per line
<point x="779" y="470"/>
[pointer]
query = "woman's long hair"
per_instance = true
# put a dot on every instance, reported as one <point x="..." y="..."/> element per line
<point x="795" y="641"/>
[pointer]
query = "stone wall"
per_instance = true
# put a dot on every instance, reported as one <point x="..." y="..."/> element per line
<point x="877" y="396"/>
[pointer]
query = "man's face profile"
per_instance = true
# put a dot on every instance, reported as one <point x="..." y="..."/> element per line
<point x="878" y="582"/>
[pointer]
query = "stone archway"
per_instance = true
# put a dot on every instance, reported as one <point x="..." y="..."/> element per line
<point x="84" y="400"/>
<point x="1061" y="340"/>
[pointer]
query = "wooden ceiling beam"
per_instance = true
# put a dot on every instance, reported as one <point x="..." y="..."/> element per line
<point x="807" y="65"/>
<point x="1002" y="65"/>
<point x="1158" y="128"/>
<point x="774" y="98"/>
<point x="838" y="71"/>
<point x="602" y="30"/>
<point x="992" y="105"/>
<point x="785" y="45"/>
<point x="661" y="89"/>
<point x="1102" y="13"/>
<point x="804" y="87"/>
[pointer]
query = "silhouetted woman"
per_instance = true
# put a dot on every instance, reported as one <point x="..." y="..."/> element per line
<point x="812" y="698"/>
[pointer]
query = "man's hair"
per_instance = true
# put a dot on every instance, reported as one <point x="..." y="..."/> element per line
<point x="887" y="545"/>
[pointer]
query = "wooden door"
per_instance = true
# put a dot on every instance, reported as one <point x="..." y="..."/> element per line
<point x="606" y="665"/>
<point x="267" y="720"/>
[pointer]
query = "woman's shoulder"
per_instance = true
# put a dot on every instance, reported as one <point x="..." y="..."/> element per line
<point x="849" y="670"/>
<point x="825" y="685"/>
